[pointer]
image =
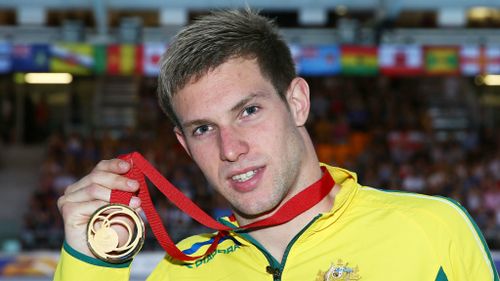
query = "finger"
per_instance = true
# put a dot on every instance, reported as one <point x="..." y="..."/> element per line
<point x="113" y="166"/>
<point x="106" y="179"/>
<point x="89" y="193"/>
<point x="94" y="192"/>
<point x="76" y="214"/>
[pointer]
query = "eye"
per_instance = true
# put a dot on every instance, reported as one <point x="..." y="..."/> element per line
<point x="201" y="130"/>
<point x="250" y="110"/>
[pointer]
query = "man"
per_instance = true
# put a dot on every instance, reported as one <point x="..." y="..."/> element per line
<point x="229" y="85"/>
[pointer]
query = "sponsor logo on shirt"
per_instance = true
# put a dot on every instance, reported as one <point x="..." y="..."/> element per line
<point x="208" y="258"/>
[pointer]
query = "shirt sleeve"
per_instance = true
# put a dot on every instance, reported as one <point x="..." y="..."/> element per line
<point x="469" y="255"/>
<point x="76" y="266"/>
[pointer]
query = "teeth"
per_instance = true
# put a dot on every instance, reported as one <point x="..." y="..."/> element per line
<point x="244" y="177"/>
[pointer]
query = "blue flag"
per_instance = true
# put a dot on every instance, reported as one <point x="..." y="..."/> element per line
<point x="30" y="58"/>
<point x="5" y="61"/>
<point x="319" y="60"/>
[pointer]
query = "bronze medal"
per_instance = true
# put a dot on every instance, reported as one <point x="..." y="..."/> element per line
<point x="102" y="238"/>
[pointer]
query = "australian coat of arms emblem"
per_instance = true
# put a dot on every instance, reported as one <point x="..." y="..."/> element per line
<point x="339" y="271"/>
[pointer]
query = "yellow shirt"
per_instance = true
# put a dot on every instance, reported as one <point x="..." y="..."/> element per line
<point x="368" y="235"/>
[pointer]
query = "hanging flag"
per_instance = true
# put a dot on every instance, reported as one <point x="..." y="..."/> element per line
<point x="5" y="61"/>
<point x="295" y="52"/>
<point x="472" y="60"/>
<point x="100" y="59"/>
<point x="124" y="59"/>
<point x="72" y="57"/>
<point x="400" y="60"/>
<point x="475" y="59"/>
<point x="318" y="60"/>
<point x="359" y="60"/>
<point x="152" y="56"/>
<point x="492" y="59"/>
<point x="441" y="60"/>
<point x="30" y="58"/>
<point x="139" y="59"/>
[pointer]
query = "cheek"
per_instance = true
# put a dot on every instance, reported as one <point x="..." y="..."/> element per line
<point x="274" y="135"/>
<point x="204" y="155"/>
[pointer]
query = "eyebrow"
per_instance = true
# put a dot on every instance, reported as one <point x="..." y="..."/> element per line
<point x="246" y="100"/>
<point x="235" y="108"/>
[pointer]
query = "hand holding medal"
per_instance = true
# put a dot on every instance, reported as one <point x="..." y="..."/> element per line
<point x="103" y="240"/>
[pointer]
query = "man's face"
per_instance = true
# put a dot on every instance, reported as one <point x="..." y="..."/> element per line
<point x="242" y="135"/>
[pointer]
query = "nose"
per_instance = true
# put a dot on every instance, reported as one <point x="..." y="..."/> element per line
<point x="232" y="144"/>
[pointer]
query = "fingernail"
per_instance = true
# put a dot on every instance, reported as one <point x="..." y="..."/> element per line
<point x="124" y="165"/>
<point x="133" y="183"/>
<point x="135" y="202"/>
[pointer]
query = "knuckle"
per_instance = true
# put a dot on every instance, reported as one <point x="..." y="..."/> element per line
<point x="68" y="189"/>
<point x="93" y="191"/>
<point x="94" y="176"/>
<point x="60" y="202"/>
<point x="66" y="209"/>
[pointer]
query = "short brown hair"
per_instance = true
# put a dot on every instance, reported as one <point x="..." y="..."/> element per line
<point x="212" y="40"/>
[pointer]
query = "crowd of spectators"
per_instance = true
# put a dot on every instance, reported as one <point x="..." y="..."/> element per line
<point x="378" y="127"/>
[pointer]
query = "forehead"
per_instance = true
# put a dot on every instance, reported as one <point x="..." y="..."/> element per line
<point x="220" y="88"/>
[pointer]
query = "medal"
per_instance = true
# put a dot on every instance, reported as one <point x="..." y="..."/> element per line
<point x="102" y="238"/>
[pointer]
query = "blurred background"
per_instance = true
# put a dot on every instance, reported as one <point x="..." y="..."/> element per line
<point x="404" y="93"/>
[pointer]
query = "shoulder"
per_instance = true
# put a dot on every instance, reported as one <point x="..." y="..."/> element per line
<point x="446" y="224"/>
<point x="422" y="208"/>
<point x="408" y="200"/>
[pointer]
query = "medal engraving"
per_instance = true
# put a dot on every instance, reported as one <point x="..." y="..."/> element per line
<point x="103" y="238"/>
<point x="106" y="240"/>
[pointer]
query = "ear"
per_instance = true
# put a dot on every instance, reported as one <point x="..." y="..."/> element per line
<point x="182" y="140"/>
<point x="298" y="100"/>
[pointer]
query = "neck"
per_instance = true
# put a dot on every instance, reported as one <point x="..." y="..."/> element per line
<point x="276" y="238"/>
<point x="309" y="173"/>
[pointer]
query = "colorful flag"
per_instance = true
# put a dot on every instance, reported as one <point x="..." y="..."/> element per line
<point x="5" y="61"/>
<point x="318" y="60"/>
<point x="359" y="60"/>
<point x="475" y="59"/>
<point x="139" y="59"/>
<point x="124" y="59"/>
<point x="152" y="56"/>
<point x="295" y="51"/>
<point x="100" y="59"/>
<point x="492" y="59"/>
<point x="441" y="60"/>
<point x="30" y="58"/>
<point x="472" y="60"/>
<point x="400" y="60"/>
<point x="72" y="57"/>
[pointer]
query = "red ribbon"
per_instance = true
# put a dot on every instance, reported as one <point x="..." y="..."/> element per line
<point x="298" y="204"/>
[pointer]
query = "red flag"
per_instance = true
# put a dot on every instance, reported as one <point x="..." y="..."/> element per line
<point x="125" y="59"/>
<point x="113" y="65"/>
<point x="400" y="59"/>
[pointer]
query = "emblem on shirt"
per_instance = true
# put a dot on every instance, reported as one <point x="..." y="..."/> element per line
<point x="339" y="271"/>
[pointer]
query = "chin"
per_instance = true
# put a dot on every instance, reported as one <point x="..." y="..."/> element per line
<point x="253" y="212"/>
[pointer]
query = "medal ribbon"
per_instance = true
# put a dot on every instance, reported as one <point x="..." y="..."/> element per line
<point x="140" y="167"/>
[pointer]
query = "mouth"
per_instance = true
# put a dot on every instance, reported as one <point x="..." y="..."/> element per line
<point x="246" y="180"/>
<point x="243" y="177"/>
